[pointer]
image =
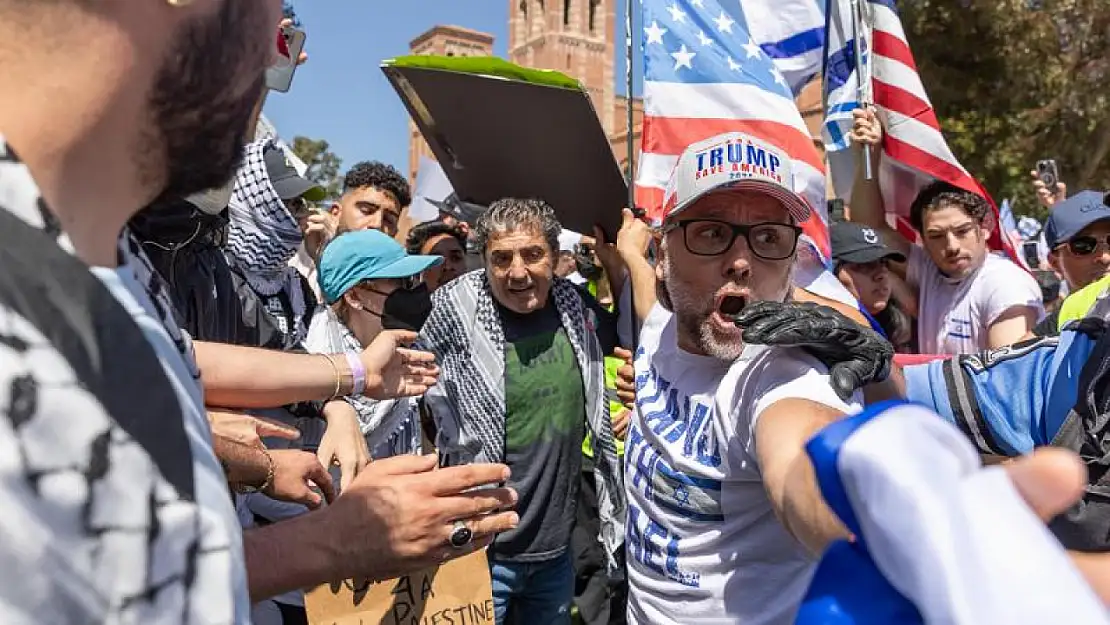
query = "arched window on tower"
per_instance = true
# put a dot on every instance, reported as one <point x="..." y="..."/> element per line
<point x="593" y="13"/>
<point x="566" y="13"/>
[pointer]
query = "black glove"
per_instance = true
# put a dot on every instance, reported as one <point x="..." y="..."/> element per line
<point x="856" y="356"/>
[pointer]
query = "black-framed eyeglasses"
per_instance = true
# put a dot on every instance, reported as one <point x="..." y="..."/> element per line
<point x="1086" y="244"/>
<point x="711" y="237"/>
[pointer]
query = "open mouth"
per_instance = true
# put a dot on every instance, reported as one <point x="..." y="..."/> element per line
<point x="520" y="289"/>
<point x="731" y="305"/>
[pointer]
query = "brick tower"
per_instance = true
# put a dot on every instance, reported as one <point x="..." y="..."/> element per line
<point x="575" y="37"/>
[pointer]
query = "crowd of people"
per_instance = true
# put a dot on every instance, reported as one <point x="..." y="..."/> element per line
<point x="222" y="387"/>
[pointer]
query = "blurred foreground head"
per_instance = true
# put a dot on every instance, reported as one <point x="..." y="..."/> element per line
<point x="137" y="99"/>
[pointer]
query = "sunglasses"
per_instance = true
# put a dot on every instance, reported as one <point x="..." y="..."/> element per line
<point x="1086" y="244"/>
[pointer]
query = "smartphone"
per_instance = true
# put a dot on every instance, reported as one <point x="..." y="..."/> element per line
<point x="1031" y="253"/>
<point x="1049" y="175"/>
<point x="836" y="210"/>
<point x="290" y="43"/>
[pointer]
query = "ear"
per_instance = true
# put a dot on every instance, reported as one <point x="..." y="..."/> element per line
<point x="660" y="257"/>
<point x="351" y="300"/>
<point x="988" y="224"/>
<point x="1054" y="261"/>
<point x="335" y="208"/>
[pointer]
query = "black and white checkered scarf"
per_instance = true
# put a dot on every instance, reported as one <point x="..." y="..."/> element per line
<point x="262" y="236"/>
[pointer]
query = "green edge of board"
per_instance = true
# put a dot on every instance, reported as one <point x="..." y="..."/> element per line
<point x="486" y="66"/>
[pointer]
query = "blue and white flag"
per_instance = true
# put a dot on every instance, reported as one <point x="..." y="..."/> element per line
<point x="938" y="538"/>
<point x="791" y="33"/>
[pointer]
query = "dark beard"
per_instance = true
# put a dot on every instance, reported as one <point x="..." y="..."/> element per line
<point x="199" y="121"/>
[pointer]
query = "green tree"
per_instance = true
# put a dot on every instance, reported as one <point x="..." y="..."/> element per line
<point x="323" y="164"/>
<point x="1016" y="81"/>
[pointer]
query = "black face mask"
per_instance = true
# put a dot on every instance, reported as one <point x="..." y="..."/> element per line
<point x="405" y="309"/>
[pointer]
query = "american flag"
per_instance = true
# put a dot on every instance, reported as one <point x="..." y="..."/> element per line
<point x="914" y="152"/>
<point x="703" y="76"/>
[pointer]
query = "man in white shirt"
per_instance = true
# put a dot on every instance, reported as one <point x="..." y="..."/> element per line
<point x="968" y="299"/>
<point x="724" y="514"/>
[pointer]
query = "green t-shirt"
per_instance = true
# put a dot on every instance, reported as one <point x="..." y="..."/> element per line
<point x="545" y="414"/>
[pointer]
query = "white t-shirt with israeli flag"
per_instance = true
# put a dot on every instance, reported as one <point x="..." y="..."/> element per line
<point x="704" y="544"/>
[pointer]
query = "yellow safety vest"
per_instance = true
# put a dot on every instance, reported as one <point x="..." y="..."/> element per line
<point x="615" y="406"/>
<point x="1078" y="304"/>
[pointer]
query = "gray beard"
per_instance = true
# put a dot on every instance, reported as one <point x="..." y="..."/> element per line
<point x="692" y="317"/>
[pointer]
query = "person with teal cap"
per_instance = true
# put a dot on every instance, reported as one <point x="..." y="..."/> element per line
<point x="371" y="285"/>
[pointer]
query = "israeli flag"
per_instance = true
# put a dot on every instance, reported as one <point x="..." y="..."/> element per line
<point x="938" y="538"/>
<point x="792" y="33"/>
<point x="843" y="77"/>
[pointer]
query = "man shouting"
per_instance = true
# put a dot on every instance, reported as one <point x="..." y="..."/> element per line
<point x="724" y="514"/>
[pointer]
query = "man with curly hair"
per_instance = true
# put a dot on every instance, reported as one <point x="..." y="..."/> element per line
<point x="374" y="194"/>
<point x="968" y="299"/>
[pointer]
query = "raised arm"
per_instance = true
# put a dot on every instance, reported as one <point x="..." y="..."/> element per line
<point x="867" y="200"/>
<point x="632" y="244"/>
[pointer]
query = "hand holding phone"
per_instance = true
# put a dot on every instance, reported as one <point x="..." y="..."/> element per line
<point x="289" y="45"/>
<point x="1047" y="185"/>
<point x="1049" y="175"/>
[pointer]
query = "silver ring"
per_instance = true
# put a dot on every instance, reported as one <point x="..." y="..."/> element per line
<point x="461" y="535"/>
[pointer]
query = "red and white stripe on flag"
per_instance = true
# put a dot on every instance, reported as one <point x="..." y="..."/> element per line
<point x="704" y="76"/>
<point x="915" y="152"/>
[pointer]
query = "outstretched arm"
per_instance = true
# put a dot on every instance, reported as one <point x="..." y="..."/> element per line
<point x="781" y="434"/>
<point x="247" y="377"/>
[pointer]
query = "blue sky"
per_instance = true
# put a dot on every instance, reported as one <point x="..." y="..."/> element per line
<point x="341" y="94"/>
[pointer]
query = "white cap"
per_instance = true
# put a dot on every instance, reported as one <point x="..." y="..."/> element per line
<point x="568" y="239"/>
<point x="213" y="201"/>
<point x="733" y="161"/>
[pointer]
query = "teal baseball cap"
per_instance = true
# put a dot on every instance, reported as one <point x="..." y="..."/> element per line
<point x="353" y="257"/>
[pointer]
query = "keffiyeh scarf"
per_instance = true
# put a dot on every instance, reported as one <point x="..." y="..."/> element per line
<point x="262" y="236"/>
<point x="468" y="403"/>
<point x="392" y="427"/>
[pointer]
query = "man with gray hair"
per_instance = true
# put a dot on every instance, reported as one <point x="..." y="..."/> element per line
<point x="724" y="514"/>
<point x="522" y="355"/>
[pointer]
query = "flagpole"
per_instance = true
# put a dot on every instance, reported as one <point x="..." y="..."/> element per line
<point x="857" y="33"/>
<point x="628" y="54"/>
<point x="629" y="51"/>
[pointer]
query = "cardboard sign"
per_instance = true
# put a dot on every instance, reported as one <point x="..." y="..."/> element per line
<point x="499" y="130"/>
<point x="456" y="593"/>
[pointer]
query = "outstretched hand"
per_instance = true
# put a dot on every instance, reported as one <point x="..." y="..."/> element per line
<point x="855" y="356"/>
<point x="396" y="517"/>
<point x="393" y="370"/>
